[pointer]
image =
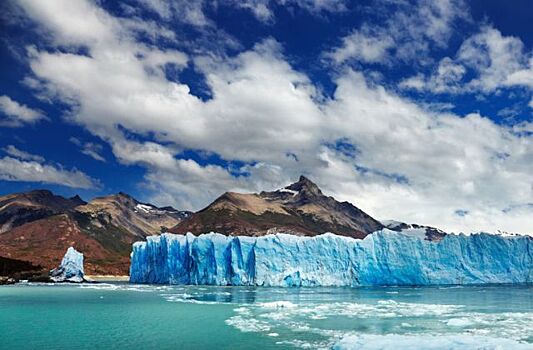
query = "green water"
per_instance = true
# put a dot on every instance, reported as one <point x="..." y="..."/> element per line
<point x="122" y="316"/>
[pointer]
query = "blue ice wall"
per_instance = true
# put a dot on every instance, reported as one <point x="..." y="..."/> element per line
<point x="383" y="258"/>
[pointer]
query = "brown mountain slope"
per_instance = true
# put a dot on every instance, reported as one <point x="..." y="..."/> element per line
<point x="123" y="211"/>
<point x="44" y="242"/>
<point x="38" y="227"/>
<point x="300" y="209"/>
<point x="19" y="208"/>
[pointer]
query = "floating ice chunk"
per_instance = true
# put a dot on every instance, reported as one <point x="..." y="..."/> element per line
<point x="448" y="342"/>
<point x="71" y="268"/>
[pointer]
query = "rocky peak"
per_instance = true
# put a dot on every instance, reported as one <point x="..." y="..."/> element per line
<point x="76" y="200"/>
<point x="39" y="193"/>
<point x="299" y="208"/>
<point x="44" y="198"/>
<point x="125" y="197"/>
<point x="305" y="186"/>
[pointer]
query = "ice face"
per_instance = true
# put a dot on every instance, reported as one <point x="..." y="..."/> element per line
<point x="383" y="258"/>
<point x="71" y="268"/>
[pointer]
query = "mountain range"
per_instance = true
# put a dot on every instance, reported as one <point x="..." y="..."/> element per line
<point x="37" y="227"/>
<point x="300" y="209"/>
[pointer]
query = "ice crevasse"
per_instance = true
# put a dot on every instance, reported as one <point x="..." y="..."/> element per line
<point x="382" y="258"/>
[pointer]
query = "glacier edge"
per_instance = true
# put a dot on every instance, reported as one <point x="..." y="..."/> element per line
<point x="382" y="258"/>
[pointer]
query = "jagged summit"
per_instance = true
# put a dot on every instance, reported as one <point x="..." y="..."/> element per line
<point x="304" y="188"/>
<point x="41" y="197"/>
<point x="16" y="209"/>
<point x="299" y="208"/>
<point x="306" y="185"/>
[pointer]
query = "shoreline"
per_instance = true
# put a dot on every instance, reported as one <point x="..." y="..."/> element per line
<point x="108" y="278"/>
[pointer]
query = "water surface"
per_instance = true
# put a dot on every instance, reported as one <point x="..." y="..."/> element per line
<point x="123" y="316"/>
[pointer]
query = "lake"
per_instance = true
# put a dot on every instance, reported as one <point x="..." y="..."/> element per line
<point x="124" y="316"/>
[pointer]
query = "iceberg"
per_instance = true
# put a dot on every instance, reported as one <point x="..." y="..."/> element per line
<point x="382" y="258"/>
<point x="71" y="268"/>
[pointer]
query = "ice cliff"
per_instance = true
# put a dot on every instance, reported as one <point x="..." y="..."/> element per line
<point x="71" y="268"/>
<point x="382" y="258"/>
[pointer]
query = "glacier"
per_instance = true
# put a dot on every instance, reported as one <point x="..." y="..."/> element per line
<point x="71" y="268"/>
<point x="382" y="258"/>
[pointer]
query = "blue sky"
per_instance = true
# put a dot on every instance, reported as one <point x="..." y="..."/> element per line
<point x="413" y="110"/>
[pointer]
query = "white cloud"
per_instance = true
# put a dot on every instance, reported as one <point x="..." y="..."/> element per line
<point x="447" y="78"/>
<point x="194" y="12"/>
<point x="492" y="60"/>
<point x="90" y="149"/>
<point x="523" y="77"/>
<point x="365" y="46"/>
<point x="77" y="22"/>
<point x="12" y="169"/>
<point x="493" y="56"/>
<point x="17" y="153"/>
<point x="408" y="163"/>
<point x="16" y="114"/>
<point x="407" y="36"/>
<point x="263" y="9"/>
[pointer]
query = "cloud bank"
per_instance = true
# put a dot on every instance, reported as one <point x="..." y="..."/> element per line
<point x="268" y="122"/>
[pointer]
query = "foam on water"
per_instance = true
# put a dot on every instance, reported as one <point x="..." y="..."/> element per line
<point x="283" y="316"/>
<point x="447" y="342"/>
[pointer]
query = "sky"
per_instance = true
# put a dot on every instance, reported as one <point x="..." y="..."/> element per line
<point x="419" y="111"/>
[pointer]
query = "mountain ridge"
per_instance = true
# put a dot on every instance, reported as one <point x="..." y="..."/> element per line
<point x="38" y="226"/>
<point x="299" y="208"/>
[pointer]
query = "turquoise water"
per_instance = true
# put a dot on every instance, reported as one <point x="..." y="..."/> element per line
<point x="122" y="316"/>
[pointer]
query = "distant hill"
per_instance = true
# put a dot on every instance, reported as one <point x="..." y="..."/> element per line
<point x="299" y="209"/>
<point x="20" y="208"/>
<point x="37" y="227"/>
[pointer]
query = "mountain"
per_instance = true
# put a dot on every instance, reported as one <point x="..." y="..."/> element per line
<point x="38" y="227"/>
<point x="19" y="208"/>
<point x="426" y="232"/>
<point x="301" y="209"/>
<point x="122" y="210"/>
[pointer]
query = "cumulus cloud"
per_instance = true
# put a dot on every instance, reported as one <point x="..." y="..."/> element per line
<point x="16" y="114"/>
<point x="193" y="12"/>
<point x="447" y="78"/>
<point x="90" y="149"/>
<point x="521" y="77"/>
<point x="268" y="121"/>
<point x="365" y="46"/>
<point x="493" y="56"/>
<point x="12" y="169"/>
<point x="17" y="153"/>
<point x="407" y="36"/>
<point x="263" y="9"/>
<point x="491" y="61"/>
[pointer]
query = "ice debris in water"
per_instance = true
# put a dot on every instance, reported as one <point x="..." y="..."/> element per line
<point x="382" y="258"/>
<point x="71" y="268"/>
<point x="443" y="342"/>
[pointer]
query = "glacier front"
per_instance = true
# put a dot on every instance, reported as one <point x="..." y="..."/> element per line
<point x="382" y="258"/>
